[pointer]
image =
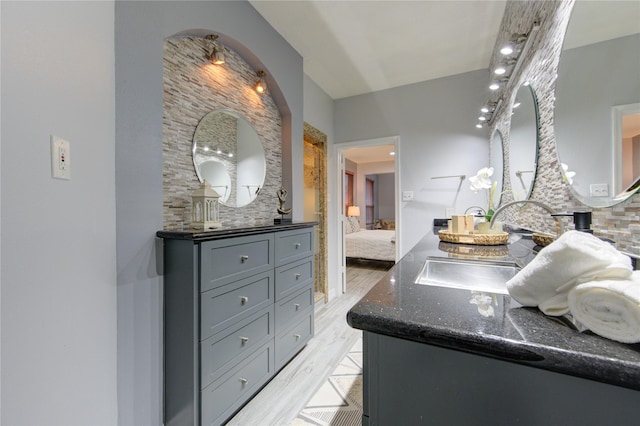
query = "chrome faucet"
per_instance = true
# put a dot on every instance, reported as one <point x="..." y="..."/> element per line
<point x="560" y="229"/>
<point x="478" y="212"/>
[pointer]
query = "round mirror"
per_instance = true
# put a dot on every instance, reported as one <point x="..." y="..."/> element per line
<point x="228" y="154"/>
<point x="523" y="142"/>
<point x="597" y="112"/>
<point x="496" y="160"/>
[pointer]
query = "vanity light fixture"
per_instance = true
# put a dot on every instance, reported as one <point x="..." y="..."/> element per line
<point x="508" y="48"/>
<point x="515" y="50"/>
<point x="261" y="86"/>
<point x="216" y="56"/>
<point x="500" y="70"/>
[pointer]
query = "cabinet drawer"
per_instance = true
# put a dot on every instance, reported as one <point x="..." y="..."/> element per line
<point x="228" y="260"/>
<point x="223" y="306"/>
<point x="223" y="397"/>
<point x="292" y="340"/>
<point x="293" y="277"/>
<point x="221" y="351"/>
<point x="290" y="309"/>
<point x="293" y="245"/>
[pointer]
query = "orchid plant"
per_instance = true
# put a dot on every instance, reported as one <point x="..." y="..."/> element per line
<point x="567" y="175"/>
<point x="482" y="180"/>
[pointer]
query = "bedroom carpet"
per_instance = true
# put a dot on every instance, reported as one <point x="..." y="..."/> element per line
<point x="338" y="402"/>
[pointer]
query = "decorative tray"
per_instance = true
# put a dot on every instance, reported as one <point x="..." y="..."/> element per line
<point x="542" y="239"/>
<point x="475" y="251"/>
<point x="477" y="239"/>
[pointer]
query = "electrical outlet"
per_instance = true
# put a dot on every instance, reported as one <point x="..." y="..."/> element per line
<point x="60" y="158"/>
<point x="407" y="195"/>
<point x="599" y="189"/>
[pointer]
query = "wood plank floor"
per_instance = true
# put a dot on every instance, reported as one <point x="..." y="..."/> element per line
<point x="280" y="401"/>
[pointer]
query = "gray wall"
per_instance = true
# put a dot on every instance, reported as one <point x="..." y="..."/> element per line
<point x="58" y="237"/>
<point x="140" y="28"/>
<point x="435" y="122"/>
<point x="318" y="112"/>
<point x="386" y="196"/>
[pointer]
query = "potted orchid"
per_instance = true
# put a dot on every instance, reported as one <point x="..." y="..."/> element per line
<point x="482" y="180"/>
<point x="567" y="175"/>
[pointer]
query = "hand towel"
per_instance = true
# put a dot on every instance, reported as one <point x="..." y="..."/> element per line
<point x="609" y="308"/>
<point x="574" y="258"/>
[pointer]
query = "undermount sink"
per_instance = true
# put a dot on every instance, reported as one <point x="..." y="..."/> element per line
<point x="478" y="275"/>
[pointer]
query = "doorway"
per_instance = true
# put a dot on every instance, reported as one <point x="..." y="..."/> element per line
<point x="366" y="160"/>
<point x="315" y="203"/>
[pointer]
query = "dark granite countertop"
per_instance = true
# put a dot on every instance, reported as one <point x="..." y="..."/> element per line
<point x="446" y="317"/>
<point x="239" y="231"/>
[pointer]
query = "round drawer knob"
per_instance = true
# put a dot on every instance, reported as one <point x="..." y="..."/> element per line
<point x="297" y="306"/>
<point x="244" y="381"/>
<point x="244" y="300"/>
<point x="297" y="336"/>
<point x="244" y="258"/>
<point x="298" y="245"/>
<point x="244" y="340"/>
<point x="298" y="276"/>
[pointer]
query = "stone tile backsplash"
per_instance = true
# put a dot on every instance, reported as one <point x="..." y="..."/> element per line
<point x="193" y="87"/>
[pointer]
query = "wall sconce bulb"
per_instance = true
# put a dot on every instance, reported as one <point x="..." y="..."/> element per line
<point x="261" y="85"/>
<point x="217" y="53"/>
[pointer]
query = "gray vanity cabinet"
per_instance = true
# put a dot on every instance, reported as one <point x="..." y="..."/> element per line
<point x="294" y="277"/>
<point x="410" y="383"/>
<point x="236" y="310"/>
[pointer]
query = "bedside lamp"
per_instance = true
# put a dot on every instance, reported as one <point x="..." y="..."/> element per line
<point x="353" y="211"/>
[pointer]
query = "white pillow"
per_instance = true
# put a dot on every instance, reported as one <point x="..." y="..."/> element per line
<point x="352" y="225"/>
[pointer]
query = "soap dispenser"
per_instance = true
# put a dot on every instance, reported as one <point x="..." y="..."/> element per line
<point x="581" y="220"/>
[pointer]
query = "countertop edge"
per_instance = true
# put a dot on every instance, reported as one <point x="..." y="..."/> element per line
<point x="522" y="353"/>
<point x="231" y="232"/>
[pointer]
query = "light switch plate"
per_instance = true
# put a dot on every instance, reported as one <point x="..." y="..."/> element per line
<point x="407" y="195"/>
<point x="60" y="158"/>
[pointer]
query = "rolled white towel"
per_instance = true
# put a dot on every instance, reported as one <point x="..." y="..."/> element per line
<point x="574" y="258"/>
<point x="609" y="308"/>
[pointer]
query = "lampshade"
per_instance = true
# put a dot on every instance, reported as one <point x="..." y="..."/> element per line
<point x="353" y="211"/>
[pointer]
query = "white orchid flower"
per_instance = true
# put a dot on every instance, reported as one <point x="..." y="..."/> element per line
<point x="482" y="179"/>
<point x="566" y="174"/>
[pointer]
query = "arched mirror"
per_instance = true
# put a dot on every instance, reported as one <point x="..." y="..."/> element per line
<point x="523" y="142"/>
<point x="228" y="154"/>
<point x="496" y="160"/>
<point x="597" y="112"/>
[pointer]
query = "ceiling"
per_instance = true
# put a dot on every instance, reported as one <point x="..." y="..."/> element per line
<point x="370" y="154"/>
<point x="355" y="47"/>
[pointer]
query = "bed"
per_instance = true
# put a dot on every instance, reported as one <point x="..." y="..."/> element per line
<point x="376" y="244"/>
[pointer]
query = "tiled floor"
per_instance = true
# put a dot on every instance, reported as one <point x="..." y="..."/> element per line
<point x="339" y="400"/>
